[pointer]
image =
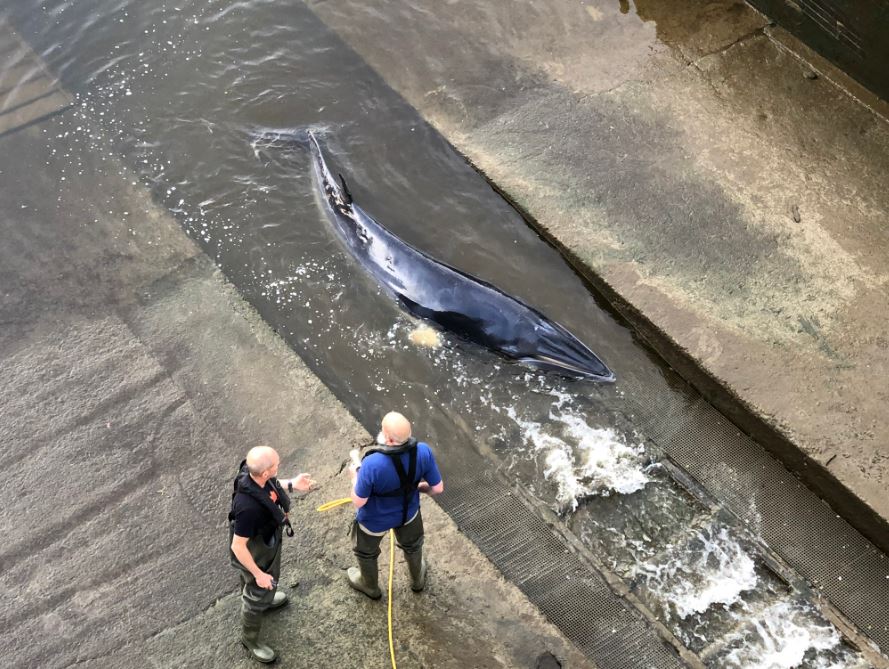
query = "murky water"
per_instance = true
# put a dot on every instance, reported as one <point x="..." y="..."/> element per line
<point x="201" y="101"/>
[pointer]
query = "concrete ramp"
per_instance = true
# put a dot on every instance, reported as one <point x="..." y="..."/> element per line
<point x="92" y="433"/>
<point x="28" y="92"/>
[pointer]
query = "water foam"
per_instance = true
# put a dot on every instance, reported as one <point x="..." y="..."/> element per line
<point x="782" y="636"/>
<point x="599" y="462"/>
<point x="715" y="570"/>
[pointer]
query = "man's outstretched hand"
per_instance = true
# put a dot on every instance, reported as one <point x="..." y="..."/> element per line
<point x="304" y="482"/>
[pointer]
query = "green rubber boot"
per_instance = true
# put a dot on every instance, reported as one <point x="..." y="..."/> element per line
<point x="280" y="600"/>
<point x="417" y="567"/>
<point x="364" y="578"/>
<point x="250" y="628"/>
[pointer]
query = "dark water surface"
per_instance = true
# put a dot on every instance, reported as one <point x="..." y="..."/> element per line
<point x="189" y="95"/>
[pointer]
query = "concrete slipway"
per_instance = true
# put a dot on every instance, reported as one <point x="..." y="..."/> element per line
<point x="726" y="195"/>
<point x="134" y="380"/>
<point x="720" y="182"/>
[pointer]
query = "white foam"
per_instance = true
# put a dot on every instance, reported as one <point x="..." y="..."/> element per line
<point x="716" y="573"/>
<point x="562" y="398"/>
<point x="583" y="460"/>
<point x="784" y="633"/>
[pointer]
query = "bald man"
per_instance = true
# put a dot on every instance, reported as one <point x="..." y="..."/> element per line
<point x="258" y="515"/>
<point x="386" y="488"/>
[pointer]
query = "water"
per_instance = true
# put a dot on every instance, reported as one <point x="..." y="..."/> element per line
<point x="787" y="634"/>
<point x="579" y="460"/>
<point x="199" y="100"/>
<point x="712" y="570"/>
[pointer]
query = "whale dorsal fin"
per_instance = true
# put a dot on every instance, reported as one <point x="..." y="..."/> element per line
<point x="345" y="189"/>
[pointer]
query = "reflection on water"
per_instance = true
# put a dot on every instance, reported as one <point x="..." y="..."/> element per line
<point x="194" y="99"/>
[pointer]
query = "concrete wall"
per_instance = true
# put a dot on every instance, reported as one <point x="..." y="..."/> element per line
<point x="850" y="33"/>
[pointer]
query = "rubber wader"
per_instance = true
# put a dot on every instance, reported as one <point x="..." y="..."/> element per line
<point x="417" y="567"/>
<point x="279" y="600"/>
<point x="251" y="625"/>
<point x="364" y="578"/>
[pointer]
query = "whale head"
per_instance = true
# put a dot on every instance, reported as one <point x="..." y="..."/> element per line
<point x="554" y="349"/>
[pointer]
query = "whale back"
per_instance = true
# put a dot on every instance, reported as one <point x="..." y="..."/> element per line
<point x="469" y="307"/>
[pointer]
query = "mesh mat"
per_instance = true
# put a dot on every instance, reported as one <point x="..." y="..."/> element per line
<point x="797" y="525"/>
<point x="572" y="595"/>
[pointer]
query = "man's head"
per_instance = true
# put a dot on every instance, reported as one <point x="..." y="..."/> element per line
<point x="396" y="429"/>
<point x="262" y="462"/>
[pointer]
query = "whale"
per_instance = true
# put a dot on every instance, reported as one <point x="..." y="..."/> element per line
<point x="455" y="301"/>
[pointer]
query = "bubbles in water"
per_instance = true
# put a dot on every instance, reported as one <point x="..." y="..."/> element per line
<point x="583" y="460"/>
<point x="576" y="458"/>
<point x="711" y="569"/>
<point x="788" y="634"/>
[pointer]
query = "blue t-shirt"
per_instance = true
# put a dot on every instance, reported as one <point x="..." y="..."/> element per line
<point x="378" y="475"/>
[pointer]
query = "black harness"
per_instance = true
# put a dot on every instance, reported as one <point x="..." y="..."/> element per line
<point x="244" y="485"/>
<point x="407" y="477"/>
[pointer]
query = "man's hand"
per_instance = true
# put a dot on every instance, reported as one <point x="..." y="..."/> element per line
<point x="431" y="490"/>
<point x="304" y="482"/>
<point x="264" y="580"/>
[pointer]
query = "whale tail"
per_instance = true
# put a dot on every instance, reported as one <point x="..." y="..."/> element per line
<point x="278" y="138"/>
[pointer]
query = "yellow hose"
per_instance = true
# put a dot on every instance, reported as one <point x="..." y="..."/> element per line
<point x="391" y="573"/>
<point x="327" y="506"/>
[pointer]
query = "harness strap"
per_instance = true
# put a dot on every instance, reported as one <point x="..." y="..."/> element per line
<point x="406" y="478"/>
<point x="279" y="509"/>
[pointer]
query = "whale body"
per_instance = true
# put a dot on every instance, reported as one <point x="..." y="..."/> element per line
<point x="454" y="300"/>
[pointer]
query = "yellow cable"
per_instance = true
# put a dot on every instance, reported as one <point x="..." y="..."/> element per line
<point x="327" y="506"/>
<point x="391" y="571"/>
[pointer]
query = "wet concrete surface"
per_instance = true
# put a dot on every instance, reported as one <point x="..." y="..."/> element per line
<point x="686" y="156"/>
<point x="134" y="379"/>
<point x="642" y="158"/>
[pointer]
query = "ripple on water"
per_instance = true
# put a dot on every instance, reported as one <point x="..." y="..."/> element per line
<point x="177" y="97"/>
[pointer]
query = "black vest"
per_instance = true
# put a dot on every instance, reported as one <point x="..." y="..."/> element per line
<point x="244" y="485"/>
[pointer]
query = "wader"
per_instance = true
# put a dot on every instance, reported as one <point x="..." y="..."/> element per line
<point x="255" y="600"/>
<point x="408" y="536"/>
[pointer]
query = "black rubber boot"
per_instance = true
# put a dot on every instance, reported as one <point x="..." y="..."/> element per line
<point x="250" y="628"/>
<point x="364" y="578"/>
<point x="417" y="567"/>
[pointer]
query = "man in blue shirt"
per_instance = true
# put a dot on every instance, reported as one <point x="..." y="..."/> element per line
<point x="386" y="489"/>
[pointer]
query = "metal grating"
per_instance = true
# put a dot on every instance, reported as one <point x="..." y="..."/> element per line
<point x="574" y="597"/>
<point x="794" y="522"/>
